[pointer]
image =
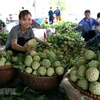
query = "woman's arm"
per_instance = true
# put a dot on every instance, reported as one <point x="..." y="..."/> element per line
<point x="40" y="40"/>
<point x="16" y="46"/>
<point x="43" y="42"/>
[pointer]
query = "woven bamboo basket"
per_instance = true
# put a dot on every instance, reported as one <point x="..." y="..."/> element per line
<point x="87" y="93"/>
<point x="39" y="82"/>
<point x="7" y="73"/>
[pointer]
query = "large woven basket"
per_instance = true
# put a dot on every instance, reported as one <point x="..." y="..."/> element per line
<point x="7" y="73"/>
<point x="87" y="93"/>
<point x="39" y="82"/>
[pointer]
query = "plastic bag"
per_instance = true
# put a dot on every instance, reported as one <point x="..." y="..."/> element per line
<point x="71" y="92"/>
<point x="50" y="31"/>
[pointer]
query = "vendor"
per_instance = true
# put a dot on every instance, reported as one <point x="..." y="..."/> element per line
<point x="21" y="33"/>
<point x="46" y="20"/>
<point x="86" y="26"/>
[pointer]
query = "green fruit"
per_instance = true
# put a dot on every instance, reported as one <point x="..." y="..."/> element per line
<point x="28" y="70"/>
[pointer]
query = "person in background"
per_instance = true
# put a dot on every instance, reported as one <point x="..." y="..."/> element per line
<point x="22" y="8"/>
<point x="50" y="13"/>
<point x="7" y="21"/>
<point x="97" y="28"/>
<point x="86" y="26"/>
<point x="96" y="39"/>
<point x="98" y="16"/>
<point x="21" y="33"/>
<point x="57" y="12"/>
<point x="46" y="20"/>
<point x="35" y="24"/>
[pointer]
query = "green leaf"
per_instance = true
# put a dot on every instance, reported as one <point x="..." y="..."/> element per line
<point x="72" y="61"/>
<point x="52" y="57"/>
<point x="21" y="67"/>
<point x="21" y="58"/>
<point x="28" y="90"/>
<point x="18" y="90"/>
<point x="27" y="53"/>
<point x="8" y="57"/>
<point x="42" y="97"/>
<point x="28" y="96"/>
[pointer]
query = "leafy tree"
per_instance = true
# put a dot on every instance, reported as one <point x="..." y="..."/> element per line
<point x="58" y="3"/>
<point x="2" y="23"/>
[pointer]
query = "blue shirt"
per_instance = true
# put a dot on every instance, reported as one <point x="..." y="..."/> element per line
<point x="57" y="12"/>
<point x="87" y="25"/>
<point x="50" y="13"/>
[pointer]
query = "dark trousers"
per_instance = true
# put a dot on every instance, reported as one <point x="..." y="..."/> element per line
<point x="89" y="35"/>
<point x="51" y="19"/>
<point x="21" y="41"/>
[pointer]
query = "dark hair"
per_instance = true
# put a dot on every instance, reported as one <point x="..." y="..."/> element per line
<point x="50" y="7"/>
<point x="98" y="15"/>
<point x="23" y="13"/>
<point x="87" y="11"/>
<point x="22" y="7"/>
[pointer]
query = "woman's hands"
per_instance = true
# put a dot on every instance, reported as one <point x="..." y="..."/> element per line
<point x="28" y="48"/>
<point x="43" y="42"/>
<point x="49" y="44"/>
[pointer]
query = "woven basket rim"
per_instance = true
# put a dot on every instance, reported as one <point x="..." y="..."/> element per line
<point x="89" y="94"/>
<point x="39" y="82"/>
<point x="7" y="67"/>
<point x="31" y="75"/>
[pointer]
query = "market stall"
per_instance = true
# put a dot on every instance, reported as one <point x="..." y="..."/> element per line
<point x="41" y="71"/>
